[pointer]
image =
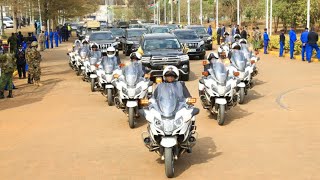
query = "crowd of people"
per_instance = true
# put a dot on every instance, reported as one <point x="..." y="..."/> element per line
<point x="308" y="39"/>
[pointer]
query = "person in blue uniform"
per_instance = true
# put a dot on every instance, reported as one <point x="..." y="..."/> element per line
<point x="304" y="40"/>
<point x="51" y="38"/>
<point x="46" y="35"/>
<point x="265" y="41"/>
<point x="293" y="39"/>
<point x="56" y="37"/>
<point x="282" y="42"/>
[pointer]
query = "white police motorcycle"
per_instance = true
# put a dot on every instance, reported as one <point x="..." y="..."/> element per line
<point x="72" y="55"/>
<point x="106" y="73"/>
<point x="249" y="55"/>
<point x="132" y="87"/>
<point x="217" y="90"/>
<point x="79" y="64"/>
<point x="171" y="125"/>
<point x="241" y="67"/>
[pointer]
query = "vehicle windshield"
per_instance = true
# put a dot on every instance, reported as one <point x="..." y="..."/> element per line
<point x="108" y="65"/>
<point x="200" y="30"/>
<point x="186" y="34"/>
<point x="160" y="30"/>
<point x="153" y="44"/>
<point x="238" y="60"/>
<point x="132" y="73"/>
<point x="167" y="99"/>
<point x="101" y="36"/>
<point x="136" y="33"/>
<point x="117" y="32"/>
<point x="219" y="72"/>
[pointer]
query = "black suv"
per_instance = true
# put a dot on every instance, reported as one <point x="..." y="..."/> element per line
<point x="189" y="38"/>
<point x="104" y="39"/>
<point x="131" y="40"/>
<point x="163" y="49"/>
<point x="202" y="32"/>
<point x="118" y="33"/>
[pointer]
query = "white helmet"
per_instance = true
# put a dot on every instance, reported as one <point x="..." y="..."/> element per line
<point x="237" y="36"/>
<point x="136" y="56"/>
<point x="236" y="45"/>
<point x="243" y="41"/>
<point x="111" y="52"/>
<point x="212" y="55"/>
<point x="171" y="70"/>
<point x="77" y="41"/>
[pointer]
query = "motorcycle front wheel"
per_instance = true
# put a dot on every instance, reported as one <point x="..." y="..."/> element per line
<point x="93" y="83"/>
<point x="131" y="117"/>
<point x="169" y="162"/>
<point x="79" y="72"/>
<point x="110" y="97"/>
<point x="241" y="94"/>
<point x="221" y="114"/>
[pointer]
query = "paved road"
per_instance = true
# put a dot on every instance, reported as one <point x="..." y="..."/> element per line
<point x="63" y="131"/>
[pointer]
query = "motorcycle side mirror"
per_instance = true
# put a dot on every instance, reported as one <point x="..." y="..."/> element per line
<point x="195" y="111"/>
<point x="150" y="83"/>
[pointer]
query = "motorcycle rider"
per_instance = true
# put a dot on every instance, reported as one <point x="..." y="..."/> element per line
<point x="95" y="52"/>
<point x="135" y="58"/>
<point x="171" y="75"/>
<point x="236" y="37"/>
<point x="84" y="47"/>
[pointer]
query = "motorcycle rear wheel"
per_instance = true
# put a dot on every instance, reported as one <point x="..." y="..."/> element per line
<point x="169" y="162"/>
<point x="131" y="117"/>
<point x="221" y="114"/>
<point x="110" y="97"/>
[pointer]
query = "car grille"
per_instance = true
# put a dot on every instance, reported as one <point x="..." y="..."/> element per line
<point x="104" y="46"/>
<point x="168" y="60"/>
<point x="193" y="45"/>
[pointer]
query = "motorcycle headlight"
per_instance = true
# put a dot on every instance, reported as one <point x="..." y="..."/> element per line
<point x="158" y="123"/>
<point x="168" y="126"/>
<point x="138" y="91"/>
<point x="178" y="122"/>
<point x="221" y="90"/>
<point x="125" y="91"/>
<point x="184" y="57"/>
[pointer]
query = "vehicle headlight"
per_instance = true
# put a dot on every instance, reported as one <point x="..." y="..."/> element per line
<point x="145" y="59"/>
<point x="209" y="38"/>
<point x="221" y="90"/>
<point x="129" y="42"/>
<point x="125" y="91"/>
<point x="201" y="43"/>
<point x="158" y="123"/>
<point x="168" y="126"/>
<point x="178" y="122"/>
<point x="138" y="91"/>
<point x="184" y="57"/>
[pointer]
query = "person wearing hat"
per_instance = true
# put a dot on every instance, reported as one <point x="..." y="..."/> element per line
<point x="7" y="65"/>
<point x="21" y="62"/>
<point x="34" y="58"/>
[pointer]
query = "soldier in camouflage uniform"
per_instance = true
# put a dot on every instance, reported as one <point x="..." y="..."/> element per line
<point x="7" y="65"/>
<point x="30" y="69"/>
<point x="34" y="58"/>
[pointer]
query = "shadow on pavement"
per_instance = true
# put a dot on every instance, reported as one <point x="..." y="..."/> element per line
<point x="252" y="95"/>
<point x="258" y="82"/>
<point x="236" y="113"/>
<point x="28" y="94"/>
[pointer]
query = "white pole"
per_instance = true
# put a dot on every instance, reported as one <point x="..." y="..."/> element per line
<point x="267" y="13"/>
<point x="159" y="11"/>
<point x="165" y="11"/>
<point x="238" y="12"/>
<point x="40" y="14"/>
<point x="270" y="33"/>
<point x="201" y="12"/>
<point x="217" y="13"/>
<point x="154" y="12"/>
<point x="179" y="11"/>
<point x="308" y="14"/>
<point x="171" y="11"/>
<point x="188" y="12"/>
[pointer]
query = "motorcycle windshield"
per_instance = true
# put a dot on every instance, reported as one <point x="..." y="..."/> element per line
<point x="83" y="53"/>
<point x="246" y="51"/>
<point x="167" y="99"/>
<point x="108" y="65"/>
<point x="131" y="74"/>
<point x="238" y="60"/>
<point x="219" y="72"/>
